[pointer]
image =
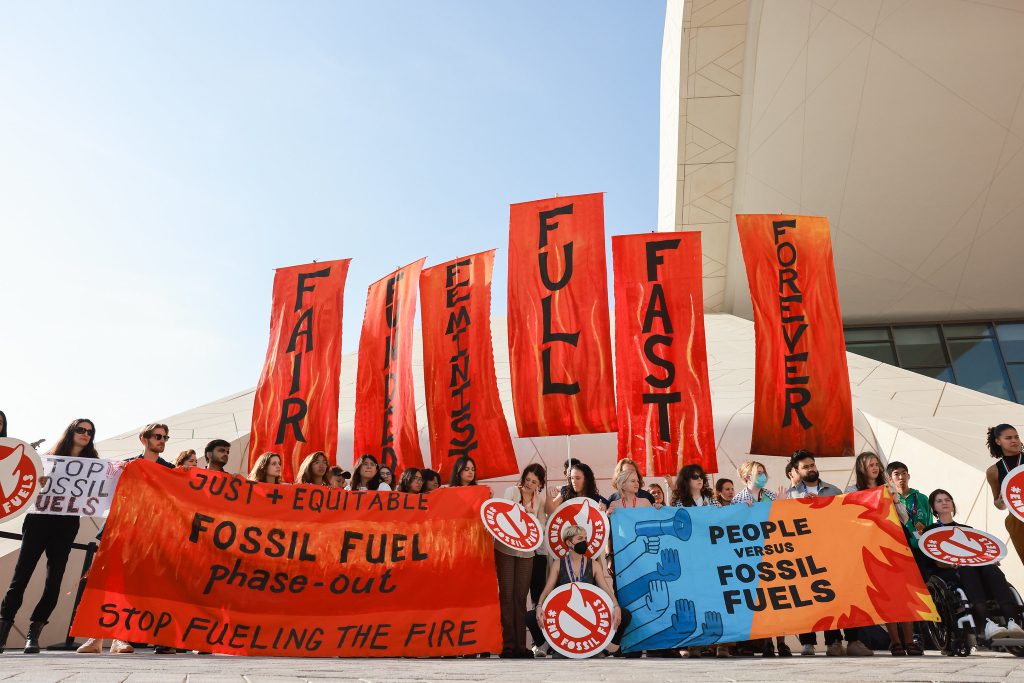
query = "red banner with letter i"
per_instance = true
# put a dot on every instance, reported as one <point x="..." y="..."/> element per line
<point x="558" y="333"/>
<point x="463" y="405"/>
<point x="385" y="421"/>
<point x="295" y="411"/>
<point x="802" y="384"/>
<point x="661" y="360"/>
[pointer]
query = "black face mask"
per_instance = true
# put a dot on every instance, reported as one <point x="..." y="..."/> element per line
<point x="580" y="548"/>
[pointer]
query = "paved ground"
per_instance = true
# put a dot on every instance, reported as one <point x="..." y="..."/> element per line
<point x="51" y="667"/>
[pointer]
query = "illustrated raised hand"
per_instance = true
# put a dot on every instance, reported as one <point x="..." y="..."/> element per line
<point x="684" y="621"/>
<point x="712" y="626"/>
<point x="651" y="544"/>
<point x="669" y="567"/>
<point x="657" y="598"/>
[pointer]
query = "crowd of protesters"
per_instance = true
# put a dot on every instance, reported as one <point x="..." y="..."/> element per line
<point x="526" y="578"/>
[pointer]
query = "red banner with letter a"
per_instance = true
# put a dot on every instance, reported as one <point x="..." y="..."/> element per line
<point x="463" y="406"/>
<point x="802" y="385"/>
<point x="207" y="561"/>
<point x="385" y="421"/>
<point x="661" y="363"/>
<point x="295" y="411"/>
<point x="558" y="334"/>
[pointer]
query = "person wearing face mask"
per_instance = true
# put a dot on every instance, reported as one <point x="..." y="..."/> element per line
<point x="754" y="478"/>
<point x="577" y="567"/>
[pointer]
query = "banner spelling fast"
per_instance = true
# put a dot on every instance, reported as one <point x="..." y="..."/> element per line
<point x="463" y="407"/>
<point x="704" y="575"/>
<point x="385" y="421"/>
<point x="295" y="411"/>
<point x="802" y="385"/>
<point x="78" y="487"/>
<point x="558" y="334"/>
<point x="207" y="561"/>
<point x="661" y="363"/>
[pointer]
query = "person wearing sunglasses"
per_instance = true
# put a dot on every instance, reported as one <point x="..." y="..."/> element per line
<point x="49" y="534"/>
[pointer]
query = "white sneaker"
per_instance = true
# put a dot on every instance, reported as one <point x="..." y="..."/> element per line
<point x="540" y="651"/>
<point x="994" y="630"/>
<point x="1013" y="630"/>
<point x="807" y="650"/>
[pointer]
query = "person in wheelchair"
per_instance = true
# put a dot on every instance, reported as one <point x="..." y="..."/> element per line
<point x="981" y="584"/>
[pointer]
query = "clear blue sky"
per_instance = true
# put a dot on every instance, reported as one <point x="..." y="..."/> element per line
<point x="158" y="160"/>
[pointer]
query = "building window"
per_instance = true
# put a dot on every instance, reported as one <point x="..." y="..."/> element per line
<point x="984" y="356"/>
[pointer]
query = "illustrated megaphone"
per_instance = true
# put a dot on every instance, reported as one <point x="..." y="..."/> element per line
<point x="679" y="526"/>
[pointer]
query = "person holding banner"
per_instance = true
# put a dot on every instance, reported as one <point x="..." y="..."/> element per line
<point x="313" y="469"/>
<point x="516" y="568"/>
<point x="867" y="472"/>
<point x="186" y="459"/>
<point x="657" y="494"/>
<point x="216" y="454"/>
<point x="387" y="476"/>
<point x="692" y="489"/>
<point x="979" y="583"/>
<point x="366" y="475"/>
<point x="3" y="425"/>
<point x="1004" y="444"/>
<point x="754" y="477"/>
<point x="49" y="534"/>
<point x="267" y="469"/>
<point x="431" y="480"/>
<point x="411" y="481"/>
<point x="725" y="491"/>
<point x="628" y="464"/>
<point x="336" y="478"/>
<point x="463" y="472"/>
<point x="627" y="491"/>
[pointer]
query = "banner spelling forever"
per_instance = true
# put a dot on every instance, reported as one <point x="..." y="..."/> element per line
<point x="385" y="420"/>
<point x="295" y="411"/>
<point x="558" y="334"/>
<point x="463" y="406"/>
<point x="802" y="385"/>
<point x="661" y="366"/>
<point x="705" y="575"/>
<point x="206" y="561"/>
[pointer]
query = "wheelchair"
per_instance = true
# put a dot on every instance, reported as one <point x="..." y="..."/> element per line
<point x="956" y="635"/>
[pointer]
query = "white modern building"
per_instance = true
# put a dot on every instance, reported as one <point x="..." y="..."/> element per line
<point x="900" y="120"/>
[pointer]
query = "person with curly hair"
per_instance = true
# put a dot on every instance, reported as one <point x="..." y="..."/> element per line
<point x="1003" y="443"/>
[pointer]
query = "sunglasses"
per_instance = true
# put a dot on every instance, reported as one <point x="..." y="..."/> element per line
<point x="695" y="477"/>
<point x="160" y="437"/>
<point x="84" y="430"/>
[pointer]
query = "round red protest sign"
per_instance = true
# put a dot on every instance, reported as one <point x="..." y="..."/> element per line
<point x="1012" y="492"/>
<point x="581" y="512"/>
<point x="511" y="524"/>
<point x="962" y="546"/>
<point x="20" y="470"/>
<point x="577" y="620"/>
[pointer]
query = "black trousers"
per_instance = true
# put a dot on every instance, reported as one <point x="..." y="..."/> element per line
<point x="539" y="578"/>
<point x="834" y="636"/>
<point x="981" y="584"/>
<point x="49" y="534"/>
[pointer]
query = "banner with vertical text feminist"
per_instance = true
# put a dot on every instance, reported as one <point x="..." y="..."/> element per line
<point x="558" y="333"/>
<point x="705" y="575"/>
<point x="295" y="410"/>
<point x="385" y="419"/>
<point x="802" y="384"/>
<point x="207" y="561"/>
<point x="463" y="406"/>
<point x="661" y="365"/>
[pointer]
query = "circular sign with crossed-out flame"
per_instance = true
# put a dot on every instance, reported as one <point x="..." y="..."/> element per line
<point x="962" y="546"/>
<point x="581" y="512"/>
<point x="20" y="470"/>
<point x="577" y="620"/>
<point x="1012" y="492"/>
<point x="511" y="524"/>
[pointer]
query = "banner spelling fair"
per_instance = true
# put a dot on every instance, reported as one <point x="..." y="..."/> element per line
<point x="295" y="410"/>
<point x="463" y="406"/>
<point x="385" y="420"/>
<point x="661" y="366"/>
<point x="802" y="386"/>
<point x="558" y="331"/>
<point x="206" y="561"/>
<point x="78" y="487"/>
<point x="704" y="575"/>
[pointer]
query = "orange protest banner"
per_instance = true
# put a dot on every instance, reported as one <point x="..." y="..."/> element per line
<point x="559" y="342"/>
<point x="802" y="384"/>
<point x="661" y="362"/>
<point x="463" y="406"/>
<point x="295" y="411"/>
<point x="206" y="561"/>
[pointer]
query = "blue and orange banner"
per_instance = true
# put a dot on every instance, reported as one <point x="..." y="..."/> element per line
<point x="704" y="575"/>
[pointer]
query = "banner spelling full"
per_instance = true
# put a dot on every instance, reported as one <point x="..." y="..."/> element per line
<point x="385" y="420"/>
<point x="705" y="575"/>
<point x="463" y="407"/>
<point x="661" y="365"/>
<point x="802" y="385"/>
<point x="295" y="411"/>
<point x="558" y="333"/>
<point x="207" y="561"/>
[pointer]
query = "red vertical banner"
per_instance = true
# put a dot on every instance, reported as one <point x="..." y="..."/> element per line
<point x="802" y="385"/>
<point x="558" y="333"/>
<point x="661" y="364"/>
<point x="385" y="421"/>
<point x="295" y="411"/>
<point x="463" y="406"/>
